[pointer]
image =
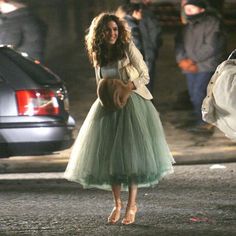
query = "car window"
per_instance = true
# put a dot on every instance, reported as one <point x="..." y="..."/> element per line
<point x="37" y="72"/>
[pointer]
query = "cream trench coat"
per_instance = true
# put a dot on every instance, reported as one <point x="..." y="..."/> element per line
<point x="133" y="68"/>
<point x="219" y="106"/>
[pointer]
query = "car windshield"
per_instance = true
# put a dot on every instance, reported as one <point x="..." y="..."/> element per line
<point x="39" y="73"/>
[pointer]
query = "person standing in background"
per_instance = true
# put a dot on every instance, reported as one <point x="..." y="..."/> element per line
<point x="20" y="29"/>
<point x="146" y="33"/>
<point x="152" y="40"/>
<point x="200" y="47"/>
<point x="133" y="17"/>
<point x="218" y="107"/>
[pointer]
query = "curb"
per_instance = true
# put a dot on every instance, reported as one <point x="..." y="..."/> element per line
<point x="205" y="158"/>
<point x="55" y="164"/>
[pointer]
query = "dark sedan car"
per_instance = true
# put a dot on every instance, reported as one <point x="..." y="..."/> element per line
<point x="34" y="109"/>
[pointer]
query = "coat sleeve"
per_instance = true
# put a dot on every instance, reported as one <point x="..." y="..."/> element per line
<point x="136" y="60"/>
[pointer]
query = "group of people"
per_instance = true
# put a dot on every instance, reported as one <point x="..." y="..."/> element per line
<point x="121" y="144"/>
<point x="200" y="46"/>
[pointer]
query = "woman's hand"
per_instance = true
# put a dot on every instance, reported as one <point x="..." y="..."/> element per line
<point x="122" y="92"/>
<point x="131" y="85"/>
<point x="114" y="93"/>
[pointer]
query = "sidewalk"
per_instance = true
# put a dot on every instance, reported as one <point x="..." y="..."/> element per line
<point x="189" y="148"/>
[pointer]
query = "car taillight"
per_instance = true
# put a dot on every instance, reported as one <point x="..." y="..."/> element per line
<point x="37" y="102"/>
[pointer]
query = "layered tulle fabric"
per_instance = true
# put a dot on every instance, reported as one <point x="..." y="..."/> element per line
<point x="122" y="147"/>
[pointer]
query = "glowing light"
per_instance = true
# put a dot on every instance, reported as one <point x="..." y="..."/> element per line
<point x="24" y="54"/>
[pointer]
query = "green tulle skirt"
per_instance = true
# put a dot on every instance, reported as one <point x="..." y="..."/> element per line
<point x="123" y="147"/>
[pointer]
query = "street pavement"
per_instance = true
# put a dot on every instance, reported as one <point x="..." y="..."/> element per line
<point x="197" y="200"/>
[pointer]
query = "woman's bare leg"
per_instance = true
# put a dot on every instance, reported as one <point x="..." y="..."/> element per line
<point x="131" y="208"/>
<point x="115" y="214"/>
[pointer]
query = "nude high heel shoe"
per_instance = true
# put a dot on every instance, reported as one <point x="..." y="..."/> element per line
<point x="130" y="215"/>
<point x="115" y="213"/>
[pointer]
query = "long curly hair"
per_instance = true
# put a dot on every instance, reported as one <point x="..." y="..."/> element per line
<point x="96" y="46"/>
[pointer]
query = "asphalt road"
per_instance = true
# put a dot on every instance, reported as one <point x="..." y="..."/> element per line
<point x="195" y="200"/>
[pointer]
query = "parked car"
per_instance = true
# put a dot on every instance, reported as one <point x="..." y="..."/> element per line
<point x="34" y="108"/>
